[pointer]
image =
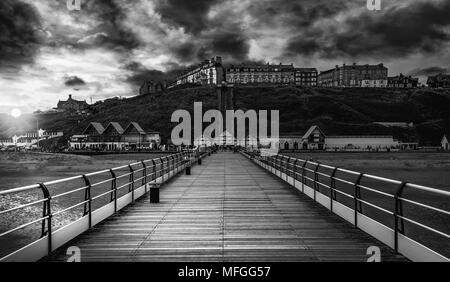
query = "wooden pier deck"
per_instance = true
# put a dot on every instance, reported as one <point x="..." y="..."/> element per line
<point x="229" y="209"/>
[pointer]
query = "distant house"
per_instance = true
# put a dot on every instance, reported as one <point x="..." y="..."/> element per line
<point x="72" y="105"/>
<point x="402" y="81"/>
<point x="314" y="139"/>
<point x="151" y="87"/>
<point x="445" y="143"/>
<point x="439" y="81"/>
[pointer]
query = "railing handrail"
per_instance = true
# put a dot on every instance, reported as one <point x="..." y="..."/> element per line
<point x="153" y="170"/>
<point x="375" y="177"/>
<point x="57" y="181"/>
<point x="295" y="168"/>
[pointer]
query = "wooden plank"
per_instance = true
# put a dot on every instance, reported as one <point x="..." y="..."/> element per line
<point x="229" y="209"/>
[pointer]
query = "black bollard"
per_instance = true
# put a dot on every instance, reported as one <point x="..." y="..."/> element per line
<point x="154" y="194"/>
<point x="188" y="169"/>
<point x="199" y="161"/>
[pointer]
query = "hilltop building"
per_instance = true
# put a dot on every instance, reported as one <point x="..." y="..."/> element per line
<point x="439" y="81"/>
<point x="212" y="72"/>
<point x="151" y="87"/>
<point x="354" y="76"/>
<point x="209" y="72"/>
<point x="261" y="74"/>
<point x="402" y="81"/>
<point x="72" y="105"/>
<point x="306" y="76"/>
<point x="114" y="137"/>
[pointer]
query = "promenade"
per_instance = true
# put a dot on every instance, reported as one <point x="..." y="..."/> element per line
<point x="229" y="209"/>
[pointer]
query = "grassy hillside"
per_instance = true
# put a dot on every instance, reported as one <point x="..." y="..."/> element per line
<point x="337" y="111"/>
<point x="352" y="111"/>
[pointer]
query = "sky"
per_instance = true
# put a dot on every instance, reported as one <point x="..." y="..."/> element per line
<point x="109" y="47"/>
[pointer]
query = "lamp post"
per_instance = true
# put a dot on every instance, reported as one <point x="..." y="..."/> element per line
<point x="37" y="132"/>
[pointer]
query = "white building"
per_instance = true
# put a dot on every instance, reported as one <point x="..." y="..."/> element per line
<point x="445" y="144"/>
<point x="114" y="137"/>
<point x="361" y="143"/>
<point x="31" y="139"/>
<point x="374" y="83"/>
<point x="209" y="72"/>
<point x="315" y="139"/>
<point x="291" y="142"/>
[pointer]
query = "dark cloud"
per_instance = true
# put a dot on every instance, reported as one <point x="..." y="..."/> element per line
<point x="111" y="33"/>
<point x="74" y="81"/>
<point x="185" y="52"/>
<point x="398" y="31"/>
<point x="429" y="71"/>
<point x="20" y="33"/>
<point x="232" y="46"/>
<point x="191" y="15"/>
<point x="296" y="13"/>
<point x="140" y="74"/>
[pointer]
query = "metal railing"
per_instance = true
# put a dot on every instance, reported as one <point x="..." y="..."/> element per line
<point x="95" y="196"/>
<point x="379" y="206"/>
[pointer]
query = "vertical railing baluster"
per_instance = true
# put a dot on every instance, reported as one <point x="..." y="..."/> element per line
<point x="356" y="197"/>
<point x="332" y="187"/>
<point x="88" y="198"/>
<point x="131" y="182"/>
<point x="162" y="170"/>
<point x="47" y="212"/>
<point x="144" y="175"/>
<point x="114" y="189"/>
<point x="154" y="177"/>
<point x="398" y="211"/>
<point x="294" y="170"/>
<point x="304" y="176"/>
<point x="316" y="180"/>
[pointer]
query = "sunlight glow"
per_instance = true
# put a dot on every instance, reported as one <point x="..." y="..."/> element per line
<point x="16" y="113"/>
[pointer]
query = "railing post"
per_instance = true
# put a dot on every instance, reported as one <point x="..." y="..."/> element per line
<point x="154" y="171"/>
<point x="162" y="170"/>
<point x="114" y="189"/>
<point x="47" y="212"/>
<point x="172" y="159"/>
<point x="131" y="185"/>
<point x="332" y="188"/>
<point x="316" y="180"/>
<point x="294" y="170"/>
<point x="144" y="172"/>
<point x="356" y="197"/>
<point x="303" y="176"/>
<point x="398" y="211"/>
<point x="87" y="197"/>
<point x="288" y="170"/>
